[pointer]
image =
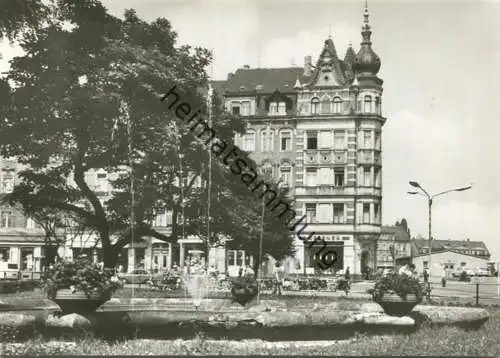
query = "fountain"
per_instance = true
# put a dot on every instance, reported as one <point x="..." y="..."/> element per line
<point x="196" y="280"/>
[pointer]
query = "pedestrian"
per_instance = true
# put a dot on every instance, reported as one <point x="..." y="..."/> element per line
<point x="347" y="275"/>
<point x="278" y="279"/>
<point x="443" y="277"/>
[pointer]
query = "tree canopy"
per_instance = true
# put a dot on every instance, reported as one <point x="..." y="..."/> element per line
<point x="86" y="97"/>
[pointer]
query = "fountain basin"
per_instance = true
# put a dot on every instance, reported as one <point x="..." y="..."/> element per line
<point x="222" y="318"/>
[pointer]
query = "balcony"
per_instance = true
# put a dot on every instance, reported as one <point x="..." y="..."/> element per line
<point x="320" y="190"/>
<point x="336" y="190"/>
<point x="325" y="156"/>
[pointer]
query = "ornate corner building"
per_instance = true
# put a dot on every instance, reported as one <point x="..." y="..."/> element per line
<point x="318" y="129"/>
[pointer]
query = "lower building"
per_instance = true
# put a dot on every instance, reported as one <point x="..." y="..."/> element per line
<point x="394" y="247"/>
<point x="450" y="260"/>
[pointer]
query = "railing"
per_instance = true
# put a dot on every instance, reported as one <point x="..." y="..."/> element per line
<point x="478" y="291"/>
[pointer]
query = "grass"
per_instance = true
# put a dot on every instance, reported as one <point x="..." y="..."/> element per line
<point x="427" y="341"/>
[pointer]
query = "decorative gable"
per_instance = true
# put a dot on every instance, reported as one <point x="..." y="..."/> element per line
<point x="328" y="71"/>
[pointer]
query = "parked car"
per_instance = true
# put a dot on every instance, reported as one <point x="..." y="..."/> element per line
<point x="482" y="272"/>
<point x="458" y="272"/>
<point x="136" y="276"/>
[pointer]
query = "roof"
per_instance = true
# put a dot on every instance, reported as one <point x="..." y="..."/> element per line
<point x="453" y="251"/>
<point x="451" y="244"/>
<point x="400" y="234"/>
<point x="268" y="80"/>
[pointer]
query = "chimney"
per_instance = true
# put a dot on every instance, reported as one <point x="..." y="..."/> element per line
<point x="307" y="66"/>
<point x="246" y="67"/>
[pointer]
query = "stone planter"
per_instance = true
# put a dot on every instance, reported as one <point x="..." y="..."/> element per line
<point x="244" y="295"/>
<point x="79" y="302"/>
<point x="396" y="306"/>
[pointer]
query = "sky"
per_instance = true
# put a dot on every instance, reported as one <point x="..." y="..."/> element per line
<point x="440" y="63"/>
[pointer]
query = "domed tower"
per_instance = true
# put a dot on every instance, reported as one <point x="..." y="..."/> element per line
<point x="367" y="63"/>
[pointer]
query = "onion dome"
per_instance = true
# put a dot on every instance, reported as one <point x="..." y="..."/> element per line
<point x="366" y="60"/>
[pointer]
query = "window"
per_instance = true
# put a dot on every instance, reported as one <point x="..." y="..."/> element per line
<point x="367" y="139"/>
<point x="235" y="108"/>
<point x="325" y="139"/>
<point x="311" y="213"/>
<point x="273" y="108"/>
<point x="376" y="209"/>
<point x="312" y="140"/>
<point x="367" y="176"/>
<point x="267" y="140"/>
<point x="286" y="175"/>
<point x="6" y="219"/>
<point x="377" y="141"/>
<point x="245" y="108"/>
<point x="267" y="170"/>
<point x="377" y="105"/>
<point x="339" y="139"/>
<point x="311" y="176"/>
<point x="368" y="104"/>
<point x="325" y="105"/>
<point x="160" y="219"/>
<point x="249" y="142"/>
<point x="339" y="176"/>
<point x="8" y="182"/>
<point x="338" y="213"/>
<point x="4" y="254"/>
<point x="315" y="106"/>
<point x="282" y="108"/>
<point x="324" y="213"/>
<point x="325" y="176"/>
<point x="377" y="176"/>
<point x="366" y="213"/>
<point x="240" y="255"/>
<point x="337" y="105"/>
<point x="30" y="223"/>
<point x="286" y="141"/>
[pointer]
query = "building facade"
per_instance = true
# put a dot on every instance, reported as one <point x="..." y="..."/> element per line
<point x="394" y="247"/>
<point x="452" y="261"/>
<point x="318" y="129"/>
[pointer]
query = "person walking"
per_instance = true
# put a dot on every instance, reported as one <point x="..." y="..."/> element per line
<point x="427" y="284"/>
<point x="278" y="279"/>
<point x="443" y="277"/>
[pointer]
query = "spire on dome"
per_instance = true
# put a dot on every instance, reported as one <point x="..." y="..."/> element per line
<point x="366" y="25"/>
<point x="367" y="60"/>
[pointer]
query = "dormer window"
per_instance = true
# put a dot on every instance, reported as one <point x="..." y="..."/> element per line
<point x="368" y="104"/>
<point x="282" y="108"/>
<point x="337" y="105"/>
<point x="273" y="108"/>
<point x="245" y="108"/>
<point x="315" y="105"/>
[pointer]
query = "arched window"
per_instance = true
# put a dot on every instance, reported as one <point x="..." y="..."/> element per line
<point x="368" y="104"/>
<point x="315" y="105"/>
<point x="378" y="108"/>
<point x="337" y="105"/>
<point x="267" y="140"/>
<point x="249" y="141"/>
<point x="325" y="105"/>
<point x="267" y="170"/>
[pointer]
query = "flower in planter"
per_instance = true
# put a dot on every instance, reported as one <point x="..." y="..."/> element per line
<point x="79" y="275"/>
<point x="400" y="284"/>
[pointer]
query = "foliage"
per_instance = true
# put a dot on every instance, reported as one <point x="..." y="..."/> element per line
<point x="247" y="283"/>
<point x="400" y="284"/>
<point x="19" y="15"/>
<point x="79" y="275"/>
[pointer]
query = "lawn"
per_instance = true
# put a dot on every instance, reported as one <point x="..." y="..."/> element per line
<point x="427" y="341"/>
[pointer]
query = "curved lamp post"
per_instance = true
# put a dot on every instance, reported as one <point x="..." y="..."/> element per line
<point x="430" y="199"/>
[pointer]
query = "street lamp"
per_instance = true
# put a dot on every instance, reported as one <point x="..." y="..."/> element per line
<point x="430" y="199"/>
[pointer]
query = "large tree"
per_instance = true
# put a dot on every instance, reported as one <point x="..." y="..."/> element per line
<point x="75" y="89"/>
<point x="87" y="98"/>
